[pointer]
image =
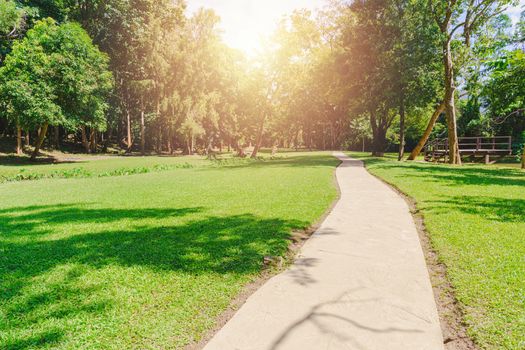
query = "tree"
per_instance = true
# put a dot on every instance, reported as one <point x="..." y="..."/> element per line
<point x="305" y="103"/>
<point x="505" y="91"/>
<point x="191" y="126"/>
<point x="178" y="85"/>
<point x="416" y="64"/>
<point x="11" y="25"/>
<point x="202" y="73"/>
<point x="454" y="17"/>
<point x="140" y="37"/>
<point x="10" y="18"/>
<point x="56" y="9"/>
<point x="388" y="64"/>
<point x="55" y="76"/>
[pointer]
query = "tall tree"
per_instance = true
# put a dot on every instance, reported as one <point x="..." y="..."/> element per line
<point x="505" y="91"/>
<point x="388" y="63"/>
<point x="55" y="76"/>
<point x="11" y="25"/>
<point x="416" y="62"/>
<point x="458" y="17"/>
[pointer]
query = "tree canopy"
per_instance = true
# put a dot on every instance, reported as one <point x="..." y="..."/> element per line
<point x="146" y="75"/>
<point x="55" y="76"/>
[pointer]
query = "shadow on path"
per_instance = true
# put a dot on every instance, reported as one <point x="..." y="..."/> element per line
<point x="317" y="317"/>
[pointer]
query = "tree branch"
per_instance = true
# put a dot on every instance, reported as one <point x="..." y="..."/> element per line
<point x="434" y="14"/>
<point x="456" y="28"/>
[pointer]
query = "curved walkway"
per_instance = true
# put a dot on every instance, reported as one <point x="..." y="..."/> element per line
<point x="360" y="282"/>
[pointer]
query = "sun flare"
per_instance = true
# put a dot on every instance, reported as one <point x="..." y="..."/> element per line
<point x="246" y="23"/>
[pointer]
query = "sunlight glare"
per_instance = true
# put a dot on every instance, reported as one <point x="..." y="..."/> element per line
<point x="246" y="23"/>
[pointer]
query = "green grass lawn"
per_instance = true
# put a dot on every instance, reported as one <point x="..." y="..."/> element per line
<point x="475" y="216"/>
<point x="85" y="167"/>
<point x="145" y="261"/>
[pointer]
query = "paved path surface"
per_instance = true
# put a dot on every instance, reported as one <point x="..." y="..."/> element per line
<point x="360" y="282"/>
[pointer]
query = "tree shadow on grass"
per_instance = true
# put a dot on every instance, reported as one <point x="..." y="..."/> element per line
<point x="40" y="339"/>
<point x="40" y="220"/>
<point x="295" y="161"/>
<point x="19" y="161"/>
<point x="455" y="176"/>
<point x="488" y="208"/>
<point x="207" y="244"/>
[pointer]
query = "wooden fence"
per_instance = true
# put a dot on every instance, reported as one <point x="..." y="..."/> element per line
<point x="470" y="146"/>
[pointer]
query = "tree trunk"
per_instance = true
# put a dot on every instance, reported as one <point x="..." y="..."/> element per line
<point x="40" y="140"/>
<point x="189" y="143"/>
<point x="259" y="139"/>
<point x="28" y="137"/>
<point x="18" y="140"/>
<point x="170" y="140"/>
<point x="379" y="142"/>
<point x="324" y="137"/>
<point x="142" y="133"/>
<point x="209" y="149"/>
<point x="239" y="149"/>
<point x="417" y="150"/>
<point x="450" y="108"/>
<point x="56" y="135"/>
<point x="332" y="137"/>
<point x="85" y="143"/>
<point x="129" y="142"/>
<point x="188" y="147"/>
<point x="93" y="141"/>
<point x="105" y="140"/>
<point x="159" y="139"/>
<point x="523" y="157"/>
<point x="379" y="136"/>
<point x="401" y="153"/>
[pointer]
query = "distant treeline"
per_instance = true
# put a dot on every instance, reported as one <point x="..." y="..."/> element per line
<point x="146" y="76"/>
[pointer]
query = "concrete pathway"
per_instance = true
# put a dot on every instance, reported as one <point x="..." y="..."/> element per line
<point x="360" y="282"/>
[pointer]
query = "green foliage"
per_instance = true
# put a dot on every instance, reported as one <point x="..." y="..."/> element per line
<point x="10" y="17"/>
<point x="19" y="170"/>
<point x="25" y="175"/>
<point x="10" y="24"/>
<point x="56" y="9"/>
<point x="318" y="76"/>
<point x="519" y="147"/>
<point x="489" y="45"/>
<point x="56" y="76"/>
<point x="11" y="166"/>
<point x="389" y="63"/>
<point x="505" y="90"/>
<point x="27" y="83"/>
<point x="474" y="216"/>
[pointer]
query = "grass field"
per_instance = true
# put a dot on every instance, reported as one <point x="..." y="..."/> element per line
<point x="92" y="166"/>
<point x="475" y="216"/>
<point x="144" y="261"/>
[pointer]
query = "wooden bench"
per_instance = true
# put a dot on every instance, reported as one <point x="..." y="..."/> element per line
<point x="499" y="146"/>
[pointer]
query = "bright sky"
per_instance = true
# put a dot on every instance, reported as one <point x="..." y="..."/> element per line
<point x="515" y="11"/>
<point x="246" y="22"/>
